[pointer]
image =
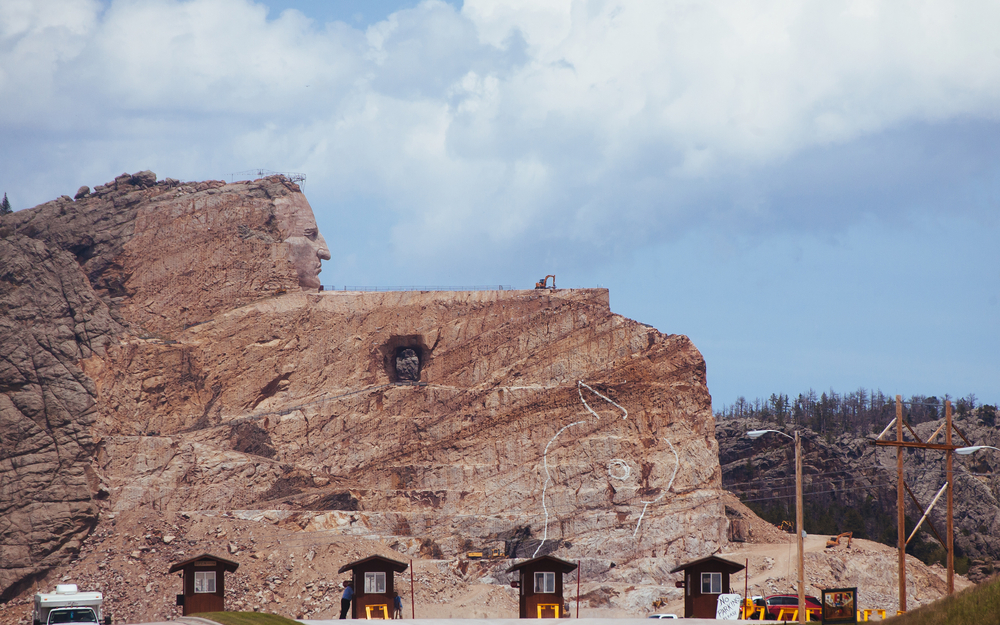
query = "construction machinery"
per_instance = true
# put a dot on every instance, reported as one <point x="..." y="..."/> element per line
<point x="544" y="283"/>
<point x="835" y="540"/>
<point x="786" y="526"/>
<point x="489" y="553"/>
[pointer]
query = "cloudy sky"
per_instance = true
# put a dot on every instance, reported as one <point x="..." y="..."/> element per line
<point x="809" y="190"/>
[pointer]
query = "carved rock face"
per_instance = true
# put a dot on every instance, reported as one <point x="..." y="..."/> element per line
<point x="407" y="366"/>
<point x="307" y="247"/>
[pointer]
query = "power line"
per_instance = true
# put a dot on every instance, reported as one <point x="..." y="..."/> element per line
<point x="837" y="490"/>
<point x="791" y="478"/>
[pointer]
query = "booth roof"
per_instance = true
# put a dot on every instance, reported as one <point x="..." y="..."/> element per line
<point x="229" y="565"/>
<point x="727" y="565"/>
<point x="395" y="565"/>
<point x="561" y="565"/>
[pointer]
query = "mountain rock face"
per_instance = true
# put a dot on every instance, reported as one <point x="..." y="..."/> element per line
<point x="51" y="320"/>
<point x="850" y="485"/>
<point x="134" y="258"/>
<point x="538" y="416"/>
<point x="170" y="354"/>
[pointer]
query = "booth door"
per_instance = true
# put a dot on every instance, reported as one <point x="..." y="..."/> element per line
<point x="194" y="604"/>
<point x="704" y="606"/>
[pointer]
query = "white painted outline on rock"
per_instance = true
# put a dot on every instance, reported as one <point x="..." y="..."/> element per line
<point x="645" y="504"/>
<point x="548" y="478"/>
<point x="545" y="455"/>
<point x="618" y="462"/>
<point x="580" y="383"/>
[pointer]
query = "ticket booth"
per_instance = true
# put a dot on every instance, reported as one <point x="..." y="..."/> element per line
<point x="374" y="586"/>
<point x="204" y="583"/>
<point x="541" y="586"/>
<point x="704" y="581"/>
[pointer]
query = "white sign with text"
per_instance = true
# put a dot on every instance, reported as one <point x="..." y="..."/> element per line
<point x="728" y="607"/>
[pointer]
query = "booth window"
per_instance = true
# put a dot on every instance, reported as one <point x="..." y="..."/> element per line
<point x="545" y="582"/>
<point x="375" y="583"/>
<point x="204" y="582"/>
<point x="711" y="583"/>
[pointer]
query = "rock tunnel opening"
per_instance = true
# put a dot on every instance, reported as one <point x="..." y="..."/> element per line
<point x="405" y="358"/>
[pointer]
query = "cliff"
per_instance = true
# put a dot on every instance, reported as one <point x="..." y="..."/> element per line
<point x="171" y="358"/>
<point x="133" y="259"/>
<point x="297" y="401"/>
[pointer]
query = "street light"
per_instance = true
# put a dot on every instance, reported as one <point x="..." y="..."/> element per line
<point x="965" y="451"/>
<point x="759" y="433"/>
<point x="798" y="513"/>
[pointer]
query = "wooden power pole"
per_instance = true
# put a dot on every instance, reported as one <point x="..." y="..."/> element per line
<point x="799" y="529"/>
<point x="950" y="529"/>
<point x="900" y="504"/>
<point x="902" y="489"/>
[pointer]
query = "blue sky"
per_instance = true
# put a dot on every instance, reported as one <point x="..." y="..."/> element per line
<point x="809" y="190"/>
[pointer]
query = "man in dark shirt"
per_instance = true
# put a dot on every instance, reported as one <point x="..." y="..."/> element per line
<point x="345" y="600"/>
<point x="397" y="605"/>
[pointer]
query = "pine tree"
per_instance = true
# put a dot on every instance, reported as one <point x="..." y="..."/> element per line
<point x="5" y="208"/>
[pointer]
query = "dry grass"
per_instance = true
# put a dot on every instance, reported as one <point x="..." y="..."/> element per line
<point x="974" y="606"/>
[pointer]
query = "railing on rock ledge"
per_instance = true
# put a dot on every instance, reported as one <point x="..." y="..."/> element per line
<point x="254" y="174"/>
<point x="491" y="287"/>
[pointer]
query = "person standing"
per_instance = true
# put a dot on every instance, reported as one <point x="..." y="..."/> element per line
<point x="346" y="598"/>
<point x="397" y="605"/>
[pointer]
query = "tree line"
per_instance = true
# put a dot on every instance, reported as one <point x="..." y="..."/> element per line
<point x="861" y="411"/>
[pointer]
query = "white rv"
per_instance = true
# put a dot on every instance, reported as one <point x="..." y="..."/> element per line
<point x="68" y="605"/>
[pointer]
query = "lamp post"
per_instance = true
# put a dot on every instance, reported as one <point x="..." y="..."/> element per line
<point x="798" y="513"/>
<point x="965" y="451"/>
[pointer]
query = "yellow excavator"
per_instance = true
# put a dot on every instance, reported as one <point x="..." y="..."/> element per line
<point x="543" y="283"/>
<point x="489" y="553"/>
<point x="835" y="540"/>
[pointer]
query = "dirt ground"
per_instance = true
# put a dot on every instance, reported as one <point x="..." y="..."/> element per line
<point x="867" y="565"/>
<point x="289" y="571"/>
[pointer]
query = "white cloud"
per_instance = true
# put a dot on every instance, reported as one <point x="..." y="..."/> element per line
<point x="505" y="122"/>
<point x="35" y="40"/>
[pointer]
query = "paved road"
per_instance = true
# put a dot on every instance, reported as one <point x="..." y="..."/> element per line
<point x="569" y="621"/>
<point x="183" y="620"/>
<point x="194" y="620"/>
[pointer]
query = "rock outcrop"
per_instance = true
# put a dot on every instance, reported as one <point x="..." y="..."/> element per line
<point x="852" y="485"/>
<point x="51" y="320"/>
<point x="173" y="382"/>
<point x="170" y="352"/>
<point x="510" y="382"/>
<point x="132" y="258"/>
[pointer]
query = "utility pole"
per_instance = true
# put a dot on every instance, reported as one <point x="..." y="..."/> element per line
<point x="798" y="526"/>
<point x="798" y="513"/>
<point x="901" y="488"/>
<point x="900" y="504"/>
<point x="950" y="529"/>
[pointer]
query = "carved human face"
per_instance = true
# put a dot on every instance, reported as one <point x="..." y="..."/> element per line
<point x="306" y="246"/>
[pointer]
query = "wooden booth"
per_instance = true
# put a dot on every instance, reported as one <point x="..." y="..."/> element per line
<point x="541" y="586"/>
<point x="374" y="586"/>
<point x="704" y="581"/>
<point x="204" y="583"/>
